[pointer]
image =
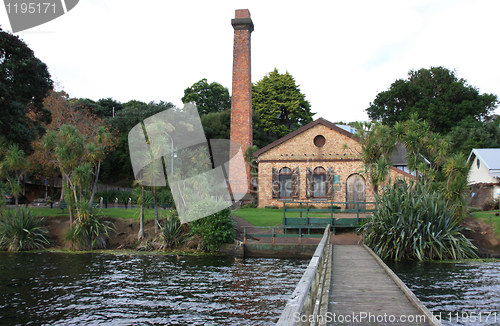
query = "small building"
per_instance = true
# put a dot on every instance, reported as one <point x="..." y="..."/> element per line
<point x="484" y="176"/>
<point x="316" y="163"/>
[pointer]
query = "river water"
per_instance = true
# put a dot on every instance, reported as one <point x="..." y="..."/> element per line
<point x="104" y="289"/>
<point x="459" y="293"/>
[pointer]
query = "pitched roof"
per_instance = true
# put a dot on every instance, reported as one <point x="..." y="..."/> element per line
<point x="301" y="130"/>
<point x="490" y="157"/>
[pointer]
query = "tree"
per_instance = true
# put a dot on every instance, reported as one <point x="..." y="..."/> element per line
<point x="208" y="98"/>
<point x="12" y="168"/>
<point x="437" y="95"/>
<point x="281" y="106"/>
<point x="117" y="165"/>
<point x="68" y="146"/>
<point x="24" y="83"/>
<point x="377" y="144"/>
<point x="97" y="137"/>
<point x="218" y="125"/>
<point x="471" y="134"/>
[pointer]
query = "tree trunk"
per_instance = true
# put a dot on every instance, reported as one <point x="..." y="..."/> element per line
<point x="157" y="225"/>
<point x="140" y="235"/>
<point x="94" y="186"/>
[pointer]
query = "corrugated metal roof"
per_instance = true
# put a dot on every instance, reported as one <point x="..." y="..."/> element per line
<point x="490" y="157"/>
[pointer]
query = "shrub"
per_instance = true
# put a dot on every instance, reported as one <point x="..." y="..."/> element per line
<point x="490" y="205"/>
<point x="215" y="229"/>
<point x="171" y="230"/>
<point x="251" y="205"/>
<point x="19" y="230"/>
<point x="272" y="207"/>
<point x="88" y="231"/>
<point x="414" y="221"/>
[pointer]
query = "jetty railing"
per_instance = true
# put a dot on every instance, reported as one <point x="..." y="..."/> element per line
<point x="273" y="235"/>
<point x="307" y="298"/>
<point x="307" y="215"/>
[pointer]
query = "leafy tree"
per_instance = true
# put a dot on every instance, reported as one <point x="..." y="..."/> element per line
<point x="208" y="98"/>
<point x="24" y="83"/>
<point x="98" y="138"/>
<point x="12" y="167"/>
<point x="117" y="165"/>
<point x="377" y="144"/>
<point x="281" y="106"/>
<point x="471" y="134"/>
<point x="68" y="145"/>
<point x="437" y="95"/>
<point x="218" y="126"/>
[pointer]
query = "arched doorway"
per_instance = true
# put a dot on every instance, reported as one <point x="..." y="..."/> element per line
<point x="355" y="191"/>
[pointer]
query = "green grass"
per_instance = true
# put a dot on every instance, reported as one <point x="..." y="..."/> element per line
<point x="109" y="212"/>
<point x="490" y="218"/>
<point x="261" y="216"/>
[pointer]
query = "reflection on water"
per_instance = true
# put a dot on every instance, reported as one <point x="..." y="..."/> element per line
<point x="88" y="289"/>
<point x="458" y="292"/>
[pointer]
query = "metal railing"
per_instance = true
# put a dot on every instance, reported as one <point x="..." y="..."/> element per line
<point x="307" y="298"/>
<point x="273" y="235"/>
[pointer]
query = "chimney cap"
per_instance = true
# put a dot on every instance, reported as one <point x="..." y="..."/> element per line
<point x="242" y="13"/>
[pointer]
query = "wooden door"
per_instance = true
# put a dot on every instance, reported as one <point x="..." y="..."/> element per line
<point x="356" y="191"/>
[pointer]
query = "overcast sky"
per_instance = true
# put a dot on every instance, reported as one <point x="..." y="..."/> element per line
<point x="341" y="53"/>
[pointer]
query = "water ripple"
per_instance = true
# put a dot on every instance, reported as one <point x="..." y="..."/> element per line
<point x="101" y="289"/>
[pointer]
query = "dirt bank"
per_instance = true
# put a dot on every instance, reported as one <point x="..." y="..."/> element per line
<point x="125" y="236"/>
<point x="482" y="236"/>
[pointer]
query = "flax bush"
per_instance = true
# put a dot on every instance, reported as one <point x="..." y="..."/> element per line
<point x="413" y="221"/>
<point x="171" y="230"/>
<point x="19" y="230"/>
<point x="89" y="231"/>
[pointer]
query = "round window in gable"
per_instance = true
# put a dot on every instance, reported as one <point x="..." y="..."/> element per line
<point x="319" y="140"/>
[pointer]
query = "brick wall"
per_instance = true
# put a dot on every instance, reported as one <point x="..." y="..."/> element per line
<point x="241" y="98"/>
<point x="339" y="152"/>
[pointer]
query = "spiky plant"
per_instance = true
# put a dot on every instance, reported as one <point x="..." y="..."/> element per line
<point x="20" y="230"/>
<point x="414" y="221"/>
<point x="171" y="230"/>
<point x="89" y="231"/>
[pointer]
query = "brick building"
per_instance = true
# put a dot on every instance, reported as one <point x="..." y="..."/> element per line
<point x="318" y="162"/>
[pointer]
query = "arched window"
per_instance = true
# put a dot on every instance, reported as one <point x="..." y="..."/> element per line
<point x="319" y="182"/>
<point x="285" y="190"/>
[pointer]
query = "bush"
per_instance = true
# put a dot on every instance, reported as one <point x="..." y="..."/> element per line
<point x="272" y="207"/>
<point x="251" y="205"/>
<point x="414" y="221"/>
<point x="19" y="230"/>
<point x="490" y="205"/>
<point x="89" y="231"/>
<point x="171" y="230"/>
<point x="215" y="229"/>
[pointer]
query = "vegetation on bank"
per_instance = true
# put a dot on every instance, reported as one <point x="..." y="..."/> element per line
<point x="414" y="221"/>
<point x="20" y="230"/>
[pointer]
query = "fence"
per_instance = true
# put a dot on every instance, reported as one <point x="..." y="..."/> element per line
<point x="308" y="216"/>
<point x="307" y="298"/>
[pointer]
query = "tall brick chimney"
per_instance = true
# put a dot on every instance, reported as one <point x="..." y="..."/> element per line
<point x="241" y="98"/>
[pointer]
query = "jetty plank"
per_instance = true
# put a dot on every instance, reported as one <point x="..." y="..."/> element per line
<point x="361" y="287"/>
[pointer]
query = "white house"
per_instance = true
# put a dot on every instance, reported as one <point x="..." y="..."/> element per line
<point x="484" y="176"/>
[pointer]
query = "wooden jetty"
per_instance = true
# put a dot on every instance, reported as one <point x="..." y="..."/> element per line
<point x="351" y="285"/>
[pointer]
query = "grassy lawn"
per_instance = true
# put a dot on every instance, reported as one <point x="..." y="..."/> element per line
<point x="261" y="216"/>
<point x="490" y="218"/>
<point x="110" y="212"/>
